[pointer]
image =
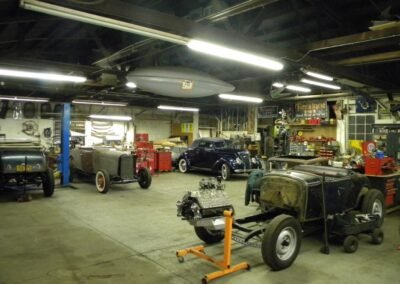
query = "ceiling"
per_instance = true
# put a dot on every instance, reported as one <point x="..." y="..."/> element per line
<point x="356" y="41"/>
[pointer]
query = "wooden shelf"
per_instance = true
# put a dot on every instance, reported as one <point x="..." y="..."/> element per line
<point x="298" y="124"/>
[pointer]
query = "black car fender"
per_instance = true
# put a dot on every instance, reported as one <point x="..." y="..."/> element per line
<point x="217" y="165"/>
<point x="183" y="156"/>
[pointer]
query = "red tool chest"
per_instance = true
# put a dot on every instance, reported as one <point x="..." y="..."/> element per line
<point x="164" y="161"/>
<point x="146" y="158"/>
<point x="389" y="185"/>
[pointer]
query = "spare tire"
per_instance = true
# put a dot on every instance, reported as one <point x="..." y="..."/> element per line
<point x="45" y="110"/>
<point x="29" y="110"/>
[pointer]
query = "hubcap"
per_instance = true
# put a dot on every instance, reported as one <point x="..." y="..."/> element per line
<point x="377" y="208"/>
<point x="286" y="243"/>
<point x="182" y="166"/>
<point x="100" y="181"/>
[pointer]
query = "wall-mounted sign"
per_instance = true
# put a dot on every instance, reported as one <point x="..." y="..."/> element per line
<point x="267" y="112"/>
<point x="186" y="127"/>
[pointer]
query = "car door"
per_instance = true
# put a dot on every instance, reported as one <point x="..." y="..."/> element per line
<point x="198" y="158"/>
<point x="210" y="155"/>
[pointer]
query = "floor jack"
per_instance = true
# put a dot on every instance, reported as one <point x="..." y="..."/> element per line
<point x="225" y="264"/>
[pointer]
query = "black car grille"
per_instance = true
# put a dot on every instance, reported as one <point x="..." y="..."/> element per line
<point x="246" y="160"/>
<point x="126" y="167"/>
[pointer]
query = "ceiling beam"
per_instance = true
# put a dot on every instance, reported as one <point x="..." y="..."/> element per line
<point x="350" y="40"/>
<point x="213" y="18"/>
<point x="370" y="59"/>
<point x="165" y="23"/>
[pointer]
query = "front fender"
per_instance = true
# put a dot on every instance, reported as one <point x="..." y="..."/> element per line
<point x="217" y="165"/>
<point x="184" y="155"/>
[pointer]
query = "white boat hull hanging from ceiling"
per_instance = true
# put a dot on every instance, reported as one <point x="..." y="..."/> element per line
<point x="178" y="82"/>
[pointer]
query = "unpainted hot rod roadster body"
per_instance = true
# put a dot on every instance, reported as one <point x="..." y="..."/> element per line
<point x="293" y="202"/>
<point x="109" y="166"/>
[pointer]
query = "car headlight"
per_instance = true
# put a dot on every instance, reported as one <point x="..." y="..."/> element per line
<point x="238" y="160"/>
<point x="254" y="160"/>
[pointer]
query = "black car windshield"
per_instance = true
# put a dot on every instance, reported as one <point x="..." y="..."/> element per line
<point x="223" y="144"/>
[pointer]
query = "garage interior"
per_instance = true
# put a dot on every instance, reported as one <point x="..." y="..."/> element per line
<point x="112" y="94"/>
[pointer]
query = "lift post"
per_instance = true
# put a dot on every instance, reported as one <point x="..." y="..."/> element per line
<point x="225" y="264"/>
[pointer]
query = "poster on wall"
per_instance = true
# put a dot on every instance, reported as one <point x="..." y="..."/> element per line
<point x="267" y="112"/>
<point x="186" y="127"/>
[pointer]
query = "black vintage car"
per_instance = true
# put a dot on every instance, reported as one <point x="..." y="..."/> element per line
<point x="218" y="156"/>
<point x="23" y="164"/>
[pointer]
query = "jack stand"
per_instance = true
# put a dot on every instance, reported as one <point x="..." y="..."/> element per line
<point x="225" y="264"/>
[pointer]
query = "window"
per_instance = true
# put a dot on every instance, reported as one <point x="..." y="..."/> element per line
<point x="360" y="127"/>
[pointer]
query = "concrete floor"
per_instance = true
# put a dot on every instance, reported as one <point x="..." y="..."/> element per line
<point x="130" y="235"/>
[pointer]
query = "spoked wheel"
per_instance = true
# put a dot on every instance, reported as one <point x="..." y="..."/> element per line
<point x="102" y="181"/>
<point x="225" y="171"/>
<point x="209" y="236"/>
<point x="144" y="178"/>
<point x="183" y="166"/>
<point x="374" y="203"/>
<point x="281" y="242"/>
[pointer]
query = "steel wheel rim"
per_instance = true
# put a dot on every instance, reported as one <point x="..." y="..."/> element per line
<point x="377" y="208"/>
<point x="286" y="243"/>
<point x="182" y="165"/>
<point x="100" y="181"/>
<point x="224" y="171"/>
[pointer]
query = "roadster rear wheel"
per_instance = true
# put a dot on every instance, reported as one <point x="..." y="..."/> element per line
<point x="225" y="171"/>
<point x="102" y="181"/>
<point x="281" y="242"/>
<point x="374" y="203"/>
<point x="144" y="178"/>
<point x="209" y="236"/>
<point x="183" y="166"/>
<point x="48" y="183"/>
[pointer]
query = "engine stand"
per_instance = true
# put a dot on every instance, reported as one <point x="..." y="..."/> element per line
<point x="225" y="264"/>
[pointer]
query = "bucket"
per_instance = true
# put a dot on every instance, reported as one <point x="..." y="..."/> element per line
<point x="379" y="155"/>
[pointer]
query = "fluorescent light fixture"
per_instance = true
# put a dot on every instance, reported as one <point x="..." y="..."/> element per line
<point x="100" y="103"/>
<point x="111" y="117"/>
<point x="321" y="84"/>
<point x="278" y="85"/>
<point x="240" y="98"/>
<point x="298" y="88"/>
<point x="131" y="85"/>
<point x="42" y="76"/>
<point x="24" y="99"/>
<point x="178" y="108"/>
<point x="233" y="54"/>
<point x="103" y="21"/>
<point x="318" y="75"/>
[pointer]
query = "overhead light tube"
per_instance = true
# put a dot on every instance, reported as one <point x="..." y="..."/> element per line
<point x="278" y="85"/>
<point x="240" y="98"/>
<point x="321" y="84"/>
<point x="42" y="76"/>
<point x="131" y="85"/>
<point x="178" y="108"/>
<point x="233" y="54"/>
<point x="111" y="117"/>
<point x="24" y="99"/>
<point x="100" y="103"/>
<point x="318" y="75"/>
<point x="298" y="88"/>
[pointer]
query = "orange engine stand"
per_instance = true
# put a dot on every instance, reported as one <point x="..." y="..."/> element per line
<point x="225" y="264"/>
